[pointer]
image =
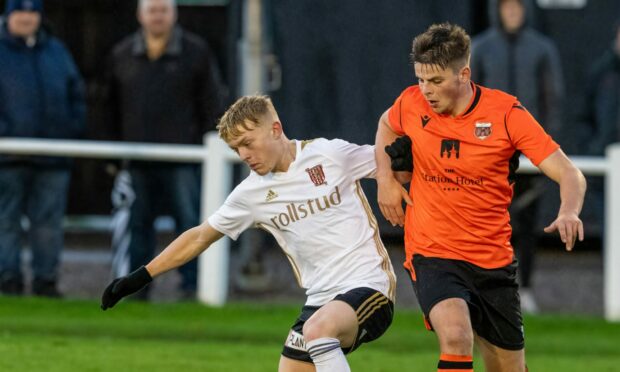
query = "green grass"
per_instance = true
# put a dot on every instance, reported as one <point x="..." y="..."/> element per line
<point x="47" y="335"/>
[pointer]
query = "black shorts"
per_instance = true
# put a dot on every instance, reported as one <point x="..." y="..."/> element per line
<point x="492" y="296"/>
<point x="374" y="315"/>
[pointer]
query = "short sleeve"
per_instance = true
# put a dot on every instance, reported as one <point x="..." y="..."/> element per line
<point x="358" y="160"/>
<point x="528" y="136"/>
<point x="233" y="217"/>
<point x="395" y="115"/>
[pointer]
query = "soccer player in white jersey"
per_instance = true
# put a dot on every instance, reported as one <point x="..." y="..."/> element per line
<point x="307" y="194"/>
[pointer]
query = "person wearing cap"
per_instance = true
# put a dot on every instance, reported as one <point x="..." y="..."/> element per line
<point x="163" y="87"/>
<point x="41" y="96"/>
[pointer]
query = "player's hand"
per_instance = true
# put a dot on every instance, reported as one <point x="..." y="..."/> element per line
<point x="390" y="197"/>
<point x="400" y="154"/>
<point x="124" y="286"/>
<point x="569" y="226"/>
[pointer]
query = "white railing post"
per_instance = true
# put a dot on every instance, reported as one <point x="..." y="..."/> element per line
<point x="611" y="256"/>
<point x="213" y="263"/>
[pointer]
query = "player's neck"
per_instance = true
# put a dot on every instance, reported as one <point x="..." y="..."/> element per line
<point x="289" y="151"/>
<point x="464" y="100"/>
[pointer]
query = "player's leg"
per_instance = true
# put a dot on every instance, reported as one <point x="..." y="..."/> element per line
<point x="499" y="331"/>
<point x="450" y="319"/>
<point x="45" y="208"/>
<point x="497" y="359"/>
<point x="142" y="216"/>
<point x="335" y="319"/>
<point x="339" y="327"/>
<point x="182" y="183"/>
<point x="499" y="328"/>
<point x="443" y="291"/>
<point x="293" y="365"/>
<point x="333" y="327"/>
<point x="13" y="190"/>
<point x="321" y="336"/>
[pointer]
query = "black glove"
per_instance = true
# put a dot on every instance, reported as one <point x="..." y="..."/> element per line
<point x="124" y="286"/>
<point x="400" y="153"/>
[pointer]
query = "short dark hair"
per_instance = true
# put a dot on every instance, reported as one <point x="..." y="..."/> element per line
<point x="444" y="45"/>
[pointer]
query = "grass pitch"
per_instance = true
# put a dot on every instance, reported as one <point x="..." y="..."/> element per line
<point x="49" y="335"/>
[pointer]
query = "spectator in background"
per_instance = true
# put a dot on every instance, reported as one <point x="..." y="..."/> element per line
<point x="601" y="114"/>
<point x="42" y="96"/>
<point x="163" y="88"/>
<point x="602" y="107"/>
<point x="513" y="57"/>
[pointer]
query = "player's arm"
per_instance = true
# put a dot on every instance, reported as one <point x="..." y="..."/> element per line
<point x="390" y="191"/>
<point x="559" y="168"/>
<point x="184" y="248"/>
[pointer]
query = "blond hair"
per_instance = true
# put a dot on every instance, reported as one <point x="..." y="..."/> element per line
<point x="244" y="115"/>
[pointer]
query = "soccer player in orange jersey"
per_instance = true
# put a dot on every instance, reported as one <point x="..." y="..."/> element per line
<point x="466" y="141"/>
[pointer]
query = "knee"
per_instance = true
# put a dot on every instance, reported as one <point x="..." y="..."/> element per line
<point x="317" y="327"/>
<point x="457" y="339"/>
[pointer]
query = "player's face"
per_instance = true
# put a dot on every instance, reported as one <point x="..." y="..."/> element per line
<point x="157" y="17"/>
<point x="258" y="147"/>
<point x="23" y="23"/>
<point x="441" y="87"/>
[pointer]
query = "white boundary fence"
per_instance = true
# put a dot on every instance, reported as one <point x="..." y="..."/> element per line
<point x="217" y="160"/>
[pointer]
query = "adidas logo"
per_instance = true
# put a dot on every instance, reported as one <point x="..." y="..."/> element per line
<point x="271" y="195"/>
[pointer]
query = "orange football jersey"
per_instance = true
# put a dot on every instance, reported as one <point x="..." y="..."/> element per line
<point x="463" y="177"/>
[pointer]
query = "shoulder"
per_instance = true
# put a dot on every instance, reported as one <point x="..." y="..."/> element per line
<point x="337" y="150"/>
<point x="316" y="145"/>
<point x="239" y="195"/>
<point x="194" y="42"/>
<point x="537" y="39"/>
<point x="330" y="148"/>
<point x="323" y="144"/>
<point x="497" y="99"/>
<point x="605" y="63"/>
<point x="485" y="38"/>
<point x="124" y="46"/>
<point x="411" y="91"/>
<point x="55" y="44"/>
<point x="56" y="50"/>
<point x="411" y="99"/>
<point x="411" y="94"/>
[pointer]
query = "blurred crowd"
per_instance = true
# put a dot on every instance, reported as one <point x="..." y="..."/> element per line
<point x="162" y="85"/>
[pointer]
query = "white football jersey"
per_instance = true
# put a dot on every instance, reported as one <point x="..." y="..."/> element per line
<point x="319" y="215"/>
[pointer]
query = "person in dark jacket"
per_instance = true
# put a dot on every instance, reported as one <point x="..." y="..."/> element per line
<point x="163" y="88"/>
<point x="513" y="57"/>
<point x="600" y="113"/>
<point x="41" y="96"/>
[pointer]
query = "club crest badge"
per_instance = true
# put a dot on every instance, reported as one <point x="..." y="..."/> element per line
<point x="483" y="130"/>
<point x="317" y="176"/>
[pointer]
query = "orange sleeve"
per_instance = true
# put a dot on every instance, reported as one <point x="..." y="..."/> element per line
<point x="528" y="135"/>
<point x="395" y="115"/>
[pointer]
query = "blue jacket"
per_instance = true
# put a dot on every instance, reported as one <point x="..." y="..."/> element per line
<point x="41" y="91"/>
